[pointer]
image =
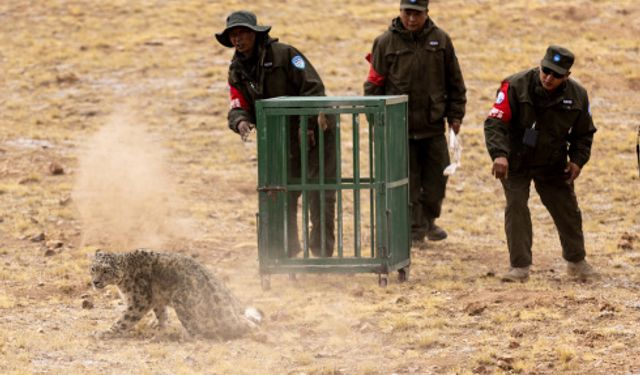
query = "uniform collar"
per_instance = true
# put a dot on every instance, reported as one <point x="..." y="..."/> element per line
<point x="397" y="27"/>
<point x="540" y="92"/>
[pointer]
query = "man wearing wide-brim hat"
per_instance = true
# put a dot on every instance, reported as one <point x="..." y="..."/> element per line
<point x="540" y="129"/>
<point x="263" y="68"/>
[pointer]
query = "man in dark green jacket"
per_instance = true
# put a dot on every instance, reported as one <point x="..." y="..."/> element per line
<point x="540" y="128"/>
<point x="416" y="58"/>
<point x="264" y="68"/>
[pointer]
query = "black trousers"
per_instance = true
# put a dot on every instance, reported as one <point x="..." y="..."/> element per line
<point x="427" y="185"/>
<point x="560" y="200"/>
<point x="314" y="197"/>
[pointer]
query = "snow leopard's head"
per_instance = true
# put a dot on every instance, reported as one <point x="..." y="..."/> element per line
<point x="105" y="269"/>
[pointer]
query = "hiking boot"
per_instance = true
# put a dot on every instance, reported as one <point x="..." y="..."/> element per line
<point x="581" y="270"/>
<point x="516" y="274"/>
<point x="435" y="233"/>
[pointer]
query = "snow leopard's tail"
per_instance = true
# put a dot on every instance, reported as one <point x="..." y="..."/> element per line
<point x="253" y="315"/>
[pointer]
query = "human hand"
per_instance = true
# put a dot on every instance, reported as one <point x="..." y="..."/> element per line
<point x="244" y="128"/>
<point x="323" y="122"/>
<point x="500" y="167"/>
<point x="455" y="125"/>
<point x="572" y="171"/>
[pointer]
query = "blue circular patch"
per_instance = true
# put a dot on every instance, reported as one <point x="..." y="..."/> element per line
<point x="556" y="57"/>
<point x="298" y="62"/>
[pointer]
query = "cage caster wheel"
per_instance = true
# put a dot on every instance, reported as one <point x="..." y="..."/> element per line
<point x="403" y="274"/>
<point x="383" y="281"/>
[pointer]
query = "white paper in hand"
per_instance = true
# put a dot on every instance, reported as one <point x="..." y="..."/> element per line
<point x="456" y="152"/>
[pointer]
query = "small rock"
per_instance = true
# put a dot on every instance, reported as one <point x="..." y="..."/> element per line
<point x="87" y="304"/>
<point x="90" y="113"/>
<point x="517" y="332"/>
<point x="475" y="308"/>
<point x="67" y="78"/>
<point x="627" y="241"/>
<point x="514" y="345"/>
<point x="38" y="237"/>
<point x="55" y="244"/>
<point x="402" y="300"/>
<point x="49" y="253"/>
<point x="480" y="370"/>
<point x="606" y="306"/>
<point x="56" y="169"/>
<point x="41" y="284"/>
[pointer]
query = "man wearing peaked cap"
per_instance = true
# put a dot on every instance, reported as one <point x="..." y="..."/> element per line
<point x="420" y="5"/>
<point x="263" y="68"/>
<point x="540" y="129"/>
<point x="558" y="59"/>
<point x="415" y="57"/>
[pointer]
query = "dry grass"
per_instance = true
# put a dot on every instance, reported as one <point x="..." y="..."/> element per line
<point x="70" y="66"/>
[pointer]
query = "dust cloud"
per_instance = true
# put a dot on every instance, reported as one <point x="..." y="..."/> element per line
<point x="124" y="194"/>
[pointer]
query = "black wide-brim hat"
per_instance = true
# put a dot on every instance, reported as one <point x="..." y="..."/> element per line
<point x="240" y="18"/>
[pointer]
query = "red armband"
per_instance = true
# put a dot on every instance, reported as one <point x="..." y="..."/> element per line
<point x="501" y="109"/>
<point x="374" y="77"/>
<point x="237" y="99"/>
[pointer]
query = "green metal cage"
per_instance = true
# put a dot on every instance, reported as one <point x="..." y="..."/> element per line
<point x="370" y="185"/>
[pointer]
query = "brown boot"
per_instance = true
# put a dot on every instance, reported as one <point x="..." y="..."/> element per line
<point x="580" y="270"/>
<point x="515" y="274"/>
<point x="435" y="233"/>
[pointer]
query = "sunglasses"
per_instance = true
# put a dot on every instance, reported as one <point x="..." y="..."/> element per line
<point x="555" y="75"/>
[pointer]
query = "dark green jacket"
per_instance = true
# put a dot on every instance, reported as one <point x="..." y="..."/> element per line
<point x="563" y="121"/>
<point x="424" y="66"/>
<point x="277" y="69"/>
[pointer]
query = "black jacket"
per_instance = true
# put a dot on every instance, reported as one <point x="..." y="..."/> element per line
<point x="563" y="122"/>
<point x="423" y="66"/>
<point x="276" y="69"/>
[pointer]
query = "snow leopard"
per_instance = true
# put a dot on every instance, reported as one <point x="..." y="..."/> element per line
<point x="150" y="280"/>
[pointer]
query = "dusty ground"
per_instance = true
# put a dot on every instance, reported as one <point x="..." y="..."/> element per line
<point x="129" y="100"/>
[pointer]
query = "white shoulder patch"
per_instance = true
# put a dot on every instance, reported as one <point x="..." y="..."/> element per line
<point x="298" y="62"/>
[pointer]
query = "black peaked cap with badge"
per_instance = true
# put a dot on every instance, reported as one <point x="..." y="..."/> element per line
<point x="414" y="4"/>
<point x="242" y="18"/>
<point x="558" y="59"/>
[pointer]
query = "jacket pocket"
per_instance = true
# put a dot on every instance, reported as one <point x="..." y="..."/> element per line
<point x="437" y="107"/>
<point x="399" y="75"/>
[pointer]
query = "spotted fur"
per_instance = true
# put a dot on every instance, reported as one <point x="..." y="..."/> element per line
<point x="151" y="280"/>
